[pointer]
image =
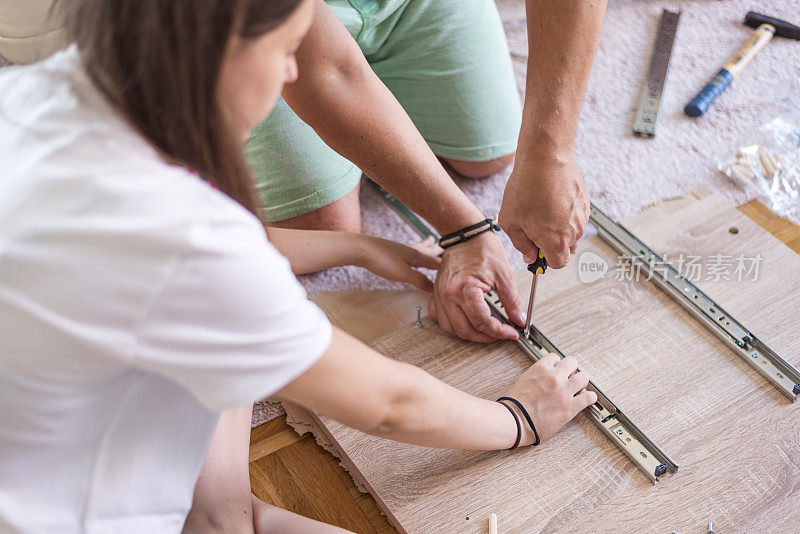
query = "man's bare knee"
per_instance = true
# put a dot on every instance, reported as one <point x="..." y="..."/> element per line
<point x="342" y="215"/>
<point x="313" y="221"/>
<point x="479" y="169"/>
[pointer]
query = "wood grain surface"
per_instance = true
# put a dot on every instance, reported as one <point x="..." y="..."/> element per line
<point x="271" y="471"/>
<point x="735" y="437"/>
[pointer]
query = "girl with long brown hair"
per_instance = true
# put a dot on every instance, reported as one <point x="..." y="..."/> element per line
<point x="142" y="310"/>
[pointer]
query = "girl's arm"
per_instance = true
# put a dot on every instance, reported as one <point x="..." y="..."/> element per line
<point x="364" y="390"/>
<point x="310" y="251"/>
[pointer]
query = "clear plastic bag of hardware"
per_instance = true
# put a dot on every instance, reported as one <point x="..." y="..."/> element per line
<point x="769" y="165"/>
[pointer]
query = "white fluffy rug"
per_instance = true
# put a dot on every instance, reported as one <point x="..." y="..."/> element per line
<point x="625" y="173"/>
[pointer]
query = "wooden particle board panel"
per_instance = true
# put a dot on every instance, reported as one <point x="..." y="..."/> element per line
<point x="736" y="439"/>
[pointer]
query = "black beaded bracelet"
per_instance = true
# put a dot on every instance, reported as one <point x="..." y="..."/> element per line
<point x="525" y="414"/>
<point x="517" y="421"/>
<point x="465" y="234"/>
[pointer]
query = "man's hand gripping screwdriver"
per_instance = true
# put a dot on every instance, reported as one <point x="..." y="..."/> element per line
<point x="537" y="267"/>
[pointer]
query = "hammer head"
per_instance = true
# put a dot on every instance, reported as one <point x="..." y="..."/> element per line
<point x="782" y="28"/>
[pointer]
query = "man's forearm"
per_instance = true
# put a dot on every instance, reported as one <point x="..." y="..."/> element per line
<point x="562" y="41"/>
<point x="339" y="96"/>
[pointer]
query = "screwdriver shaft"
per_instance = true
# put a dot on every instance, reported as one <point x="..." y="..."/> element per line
<point x="529" y="317"/>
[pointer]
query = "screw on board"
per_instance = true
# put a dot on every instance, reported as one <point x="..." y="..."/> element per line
<point x="419" y="317"/>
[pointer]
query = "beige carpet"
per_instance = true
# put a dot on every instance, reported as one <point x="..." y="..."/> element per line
<point x="625" y="173"/>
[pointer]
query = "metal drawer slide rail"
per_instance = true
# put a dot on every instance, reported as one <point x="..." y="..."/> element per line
<point x="622" y="432"/>
<point x="614" y="424"/>
<point x="777" y="370"/>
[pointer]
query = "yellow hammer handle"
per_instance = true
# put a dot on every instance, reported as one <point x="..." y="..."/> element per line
<point x="758" y="40"/>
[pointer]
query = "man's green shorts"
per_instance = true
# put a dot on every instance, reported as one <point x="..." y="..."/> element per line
<point x="448" y="65"/>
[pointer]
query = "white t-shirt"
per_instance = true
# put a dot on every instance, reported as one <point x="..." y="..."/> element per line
<point x="136" y="302"/>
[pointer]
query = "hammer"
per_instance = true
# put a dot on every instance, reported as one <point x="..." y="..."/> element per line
<point x="765" y="28"/>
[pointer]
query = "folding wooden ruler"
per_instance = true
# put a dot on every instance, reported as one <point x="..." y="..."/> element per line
<point x="614" y="424"/>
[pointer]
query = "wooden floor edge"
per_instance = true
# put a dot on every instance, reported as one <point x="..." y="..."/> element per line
<point x="353" y="471"/>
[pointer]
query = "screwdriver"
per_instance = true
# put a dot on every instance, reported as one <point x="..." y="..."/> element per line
<point x="539" y="266"/>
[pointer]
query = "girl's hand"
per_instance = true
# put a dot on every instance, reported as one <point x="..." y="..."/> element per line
<point x="552" y="390"/>
<point x="398" y="262"/>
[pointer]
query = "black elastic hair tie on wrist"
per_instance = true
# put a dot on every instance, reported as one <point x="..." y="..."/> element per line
<point x="519" y="425"/>
<point x="525" y="414"/>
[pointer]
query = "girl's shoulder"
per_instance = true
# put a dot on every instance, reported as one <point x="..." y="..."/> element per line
<point x="69" y="156"/>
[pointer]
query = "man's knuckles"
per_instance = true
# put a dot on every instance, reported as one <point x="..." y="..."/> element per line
<point x="481" y="324"/>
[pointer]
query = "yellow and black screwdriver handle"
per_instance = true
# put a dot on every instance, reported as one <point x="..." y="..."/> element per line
<point x="539" y="266"/>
